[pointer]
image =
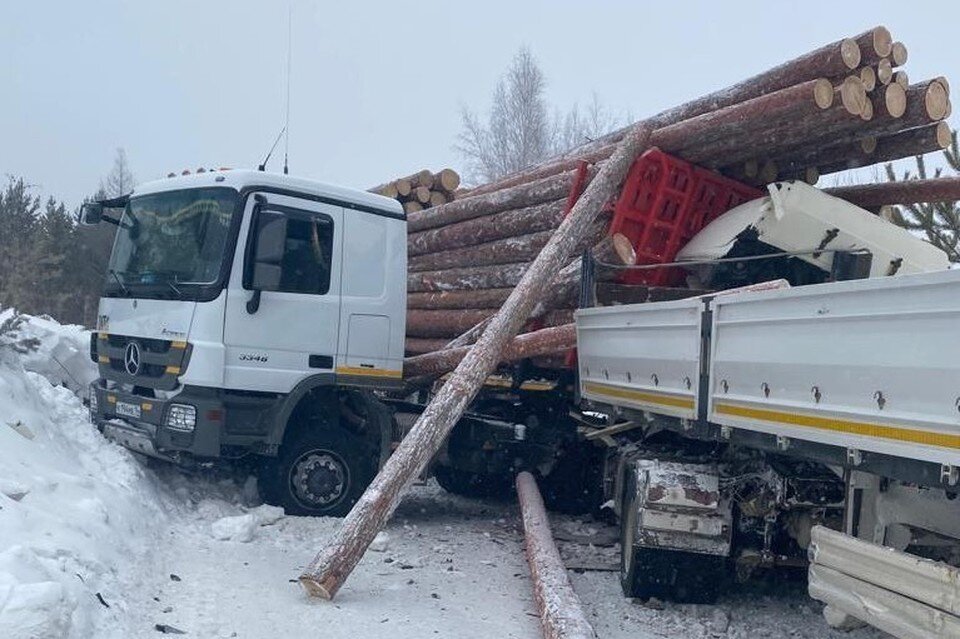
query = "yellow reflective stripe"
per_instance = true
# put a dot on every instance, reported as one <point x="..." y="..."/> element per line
<point x="867" y="429"/>
<point x="368" y="372"/>
<point x="103" y="359"/>
<point x="646" y="397"/>
<point x="178" y="345"/>
<point x="172" y="370"/>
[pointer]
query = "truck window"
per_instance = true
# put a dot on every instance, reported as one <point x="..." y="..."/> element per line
<point x="307" y="258"/>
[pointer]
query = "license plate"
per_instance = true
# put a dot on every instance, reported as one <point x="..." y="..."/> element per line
<point x="128" y="410"/>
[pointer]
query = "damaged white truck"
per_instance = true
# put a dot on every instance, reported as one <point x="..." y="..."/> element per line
<point x="247" y="314"/>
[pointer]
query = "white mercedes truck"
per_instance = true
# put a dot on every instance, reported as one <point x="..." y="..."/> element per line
<point x="247" y="312"/>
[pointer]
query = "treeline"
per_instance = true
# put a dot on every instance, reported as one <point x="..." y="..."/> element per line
<point x="48" y="263"/>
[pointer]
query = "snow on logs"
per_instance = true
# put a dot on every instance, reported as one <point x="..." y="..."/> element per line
<point x="561" y="613"/>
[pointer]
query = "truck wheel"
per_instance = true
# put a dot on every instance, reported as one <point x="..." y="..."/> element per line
<point x="319" y="473"/>
<point x="672" y="575"/>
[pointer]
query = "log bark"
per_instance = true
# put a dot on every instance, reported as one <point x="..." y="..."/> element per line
<point x="546" y="341"/>
<point x="324" y="576"/>
<point x="446" y="323"/>
<point x="872" y="196"/>
<point x="421" y="345"/>
<point x="836" y="59"/>
<point x="518" y="248"/>
<point x="386" y="190"/>
<point x="488" y="298"/>
<point x="470" y="278"/>
<point x="561" y="613"/>
<point x="522" y="221"/>
<point x="909" y="143"/>
<point x="874" y="44"/>
<point x="468" y="208"/>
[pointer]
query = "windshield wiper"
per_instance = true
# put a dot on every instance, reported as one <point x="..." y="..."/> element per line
<point x="117" y="277"/>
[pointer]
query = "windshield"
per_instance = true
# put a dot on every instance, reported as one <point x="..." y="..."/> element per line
<point x="169" y="242"/>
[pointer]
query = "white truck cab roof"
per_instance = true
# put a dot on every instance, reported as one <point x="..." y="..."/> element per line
<point x="241" y="179"/>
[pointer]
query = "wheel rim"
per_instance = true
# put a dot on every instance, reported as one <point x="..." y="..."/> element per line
<point x="319" y="479"/>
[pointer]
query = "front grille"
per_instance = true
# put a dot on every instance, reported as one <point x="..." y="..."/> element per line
<point x="161" y="361"/>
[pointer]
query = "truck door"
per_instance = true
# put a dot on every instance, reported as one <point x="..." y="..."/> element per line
<point x="294" y="331"/>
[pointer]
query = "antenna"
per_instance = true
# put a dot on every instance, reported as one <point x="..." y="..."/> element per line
<point x="263" y="165"/>
<point x="286" y="124"/>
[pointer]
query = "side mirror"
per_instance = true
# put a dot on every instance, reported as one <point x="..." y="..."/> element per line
<point x="268" y="251"/>
<point x="91" y="213"/>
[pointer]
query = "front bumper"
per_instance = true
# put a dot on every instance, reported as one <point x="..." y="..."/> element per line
<point x="148" y="433"/>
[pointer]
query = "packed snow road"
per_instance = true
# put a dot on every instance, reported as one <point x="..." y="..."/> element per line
<point x="95" y="542"/>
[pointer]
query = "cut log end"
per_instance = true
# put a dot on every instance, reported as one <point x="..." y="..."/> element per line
<point x="403" y="186"/>
<point x="884" y="71"/>
<point x="811" y="175"/>
<point x="853" y="95"/>
<point x="850" y="52"/>
<point x="768" y="172"/>
<point x="447" y="179"/>
<point x="944" y="135"/>
<point x="314" y="588"/>
<point x="867" y="113"/>
<point x="823" y="93"/>
<point x="935" y="101"/>
<point x="882" y="41"/>
<point x="901" y="78"/>
<point x="868" y="144"/>
<point x="898" y="54"/>
<point x="895" y="100"/>
<point x="624" y="248"/>
<point x="946" y="84"/>
<point x="869" y="78"/>
<point x="412" y="207"/>
<point x="751" y="168"/>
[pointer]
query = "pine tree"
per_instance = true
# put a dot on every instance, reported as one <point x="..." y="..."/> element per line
<point x="938" y="221"/>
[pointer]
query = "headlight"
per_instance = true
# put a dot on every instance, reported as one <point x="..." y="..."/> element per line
<point x="94" y="406"/>
<point x="182" y="417"/>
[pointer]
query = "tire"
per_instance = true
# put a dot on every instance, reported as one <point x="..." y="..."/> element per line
<point x="669" y="575"/>
<point x="319" y="473"/>
<point x="467" y="484"/>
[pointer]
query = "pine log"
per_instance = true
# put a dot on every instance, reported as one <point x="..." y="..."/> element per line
<point x="869" y="78"/>
<point x="438" y="197"/>
<point x="884" y="71"/>
<point x="518" y="248"/>
<point x="421" y="345"/>
<point x="561" y="613"/>
<point x="422" y="178"/>
<point x="403" y="187"/>
<point x="412" y="207"/>
<point x="324" y="576"/>
<point x="545" y="341"/>
<point x="832" y="60"/>
<point x="444" y="323"/>
<point x="446" y="180"/>
<point x="874" y="44"/>
<point x="386" y="190"/>
<point x="901" y="78"/>
<point x="898" y="54"/>
<point x="420" y="194"/>
<point x="530" y="219"/>
<point x="512" y="249"/>
<point x="909" y="143"/>
<point x="482" y="298"/>
<point x="873" y="196"/>
<point x="469" y="278"/>
<point x="523" y="195"/>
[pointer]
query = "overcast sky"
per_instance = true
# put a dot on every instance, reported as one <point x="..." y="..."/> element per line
<point x="377" y="88"/>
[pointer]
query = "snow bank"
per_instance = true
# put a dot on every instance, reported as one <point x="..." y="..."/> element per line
<point x="74" y="509"/>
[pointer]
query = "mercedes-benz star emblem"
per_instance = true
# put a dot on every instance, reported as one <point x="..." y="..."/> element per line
<point x="131" y="358"/>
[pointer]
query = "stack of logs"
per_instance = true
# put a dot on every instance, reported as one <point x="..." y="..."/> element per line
<point x="847" y="104"/>
<point x="422" y="190"/>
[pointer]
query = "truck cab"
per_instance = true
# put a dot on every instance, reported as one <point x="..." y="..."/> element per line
<point x="240" y="310"/>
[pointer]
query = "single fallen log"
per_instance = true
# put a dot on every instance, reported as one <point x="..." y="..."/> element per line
<point x="561" y="613"/>
<point x="546" y="341"/>
<point x="909" y="143"/>
<point x="872" y="196"/>
<point x="324" y="576"/>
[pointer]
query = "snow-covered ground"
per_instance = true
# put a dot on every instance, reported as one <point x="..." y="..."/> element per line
<point x="95" y="542"/>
